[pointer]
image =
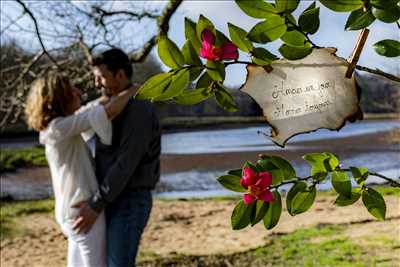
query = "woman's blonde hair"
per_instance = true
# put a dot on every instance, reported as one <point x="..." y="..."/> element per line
<point x="48" y="98"/>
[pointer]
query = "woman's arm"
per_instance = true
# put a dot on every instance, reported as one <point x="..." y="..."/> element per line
<point x="117" y="103"/>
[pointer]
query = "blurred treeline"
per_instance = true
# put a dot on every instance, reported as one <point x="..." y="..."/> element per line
<point x="378" y="95"/>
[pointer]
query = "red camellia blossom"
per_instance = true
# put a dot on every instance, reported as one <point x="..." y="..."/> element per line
<point x="209" y="51"/>
<point x="257" y="185"/>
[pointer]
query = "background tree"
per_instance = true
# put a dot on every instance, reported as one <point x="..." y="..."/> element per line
<point x="67" y="34"/>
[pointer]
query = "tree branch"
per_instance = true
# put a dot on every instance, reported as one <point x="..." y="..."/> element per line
<point x="104" y="13"/>
<point x="391" y="181"/>
<point x="13" y="22"/>
<point x="379" y="72"/>
<point x="86" y="50"/>
<point x="163" y="27"/>
<point x="26" y="9"/>
<point x="298" y="179"/>
<point x="26" y="69"/>
<point x="358" y="67"/>
<point x="297" y="28"/>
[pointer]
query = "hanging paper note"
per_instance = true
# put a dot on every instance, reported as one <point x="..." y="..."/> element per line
<point x="304" y="95"/>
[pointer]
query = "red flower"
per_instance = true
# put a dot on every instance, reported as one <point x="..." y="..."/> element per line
<point x="209" y="51"/>
<point x="257" y="185"/>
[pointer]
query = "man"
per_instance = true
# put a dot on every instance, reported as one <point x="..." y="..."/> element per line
<point x="128" y="169"/>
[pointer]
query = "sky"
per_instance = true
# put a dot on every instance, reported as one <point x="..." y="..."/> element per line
<point x="331" y="32"/>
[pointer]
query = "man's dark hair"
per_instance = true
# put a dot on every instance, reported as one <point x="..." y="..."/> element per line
<point x="114" y="59"/>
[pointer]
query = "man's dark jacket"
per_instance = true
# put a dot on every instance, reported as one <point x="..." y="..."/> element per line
<point x="132" y="161"/>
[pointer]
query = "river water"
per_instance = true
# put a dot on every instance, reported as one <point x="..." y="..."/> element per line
<point x="202" y="182"/>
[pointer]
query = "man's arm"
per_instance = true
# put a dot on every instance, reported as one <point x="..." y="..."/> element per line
<point x="134" y="141"/>
<point x="116" y="104"/>
<point x="135" y="138"/>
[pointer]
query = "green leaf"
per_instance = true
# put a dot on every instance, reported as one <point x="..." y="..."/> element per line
<point x="384" y="4"/>
<point x="303" y="200"/>
<point x="296" y="189"/>
<point x="258" y="212"/>
<point x="190" y="55"/>
<point x="342" y="200"/>
<point x="331" y="162"/>
<point x="374" y="203"/>
<point x="224" y="99"/>
<point x="268" y="165"/>
<point x="309" y="20"/>
<point x="179" y="83"/>
<point x="292" y="19"/>
<point x="300" y="198"/>
<point x="190" y="34"/>
<point x="231" y="182"/>
<point x="203" y="24"/>
<point x="237" y="172"/>
<point x="238" y="36"/>
<point x="312" y="6"/>
<point x="388" y="48"/>
<point x="216" y="70"/>
<point x="387" y="15"/>
<point x="341" y="183"/>
<point x="287" y="169"/>
<point x="169" y="53"/>
<point x="294" y="53"/>
<point x="342" y="5"/>
<point x="192" y="97"/>
<point x="315" y="158"/>
<point x="269" y="30"/>
<point x="262" y="56"/>
<point x="195" y="72"/>
<point x="256" y="8"/>
<point x="274" y="212"/>
<point x="241" y="215"/>
<point x="294" y="38"/>
<point x="359" y="174"/>
<point x="321" y="163"/>
<point x="248" y="164"/>
<point x="359" y="19"/>
<point x="286" y="5"/>
<point x="318" y="168"/>
<point x="154" y="86"/>
<point x="205" y="80"/>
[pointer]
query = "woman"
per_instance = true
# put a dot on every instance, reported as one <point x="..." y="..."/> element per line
<point x="53" y="108"/>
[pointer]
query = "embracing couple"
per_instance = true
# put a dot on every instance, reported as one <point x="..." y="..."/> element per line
<point x="104" y="159"/>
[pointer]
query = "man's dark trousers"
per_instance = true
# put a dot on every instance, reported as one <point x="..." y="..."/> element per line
<point x="126" y="219"/>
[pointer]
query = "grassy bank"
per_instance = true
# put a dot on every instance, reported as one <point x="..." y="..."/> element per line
<point x="10" y="212"/>
<point x="12" y="159"/>
<point x="322" y="245"/>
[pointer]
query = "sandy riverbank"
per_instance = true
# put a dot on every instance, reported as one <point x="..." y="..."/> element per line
<point x="202" y="228"/>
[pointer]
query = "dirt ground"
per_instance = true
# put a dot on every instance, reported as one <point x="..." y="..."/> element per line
<point x="198" y="228"/>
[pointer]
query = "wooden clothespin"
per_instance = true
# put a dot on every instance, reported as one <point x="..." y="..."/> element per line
<point x="362" y="38"/>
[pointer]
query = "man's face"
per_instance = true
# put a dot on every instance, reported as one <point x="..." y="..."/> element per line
<point x="106" y="80"/>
